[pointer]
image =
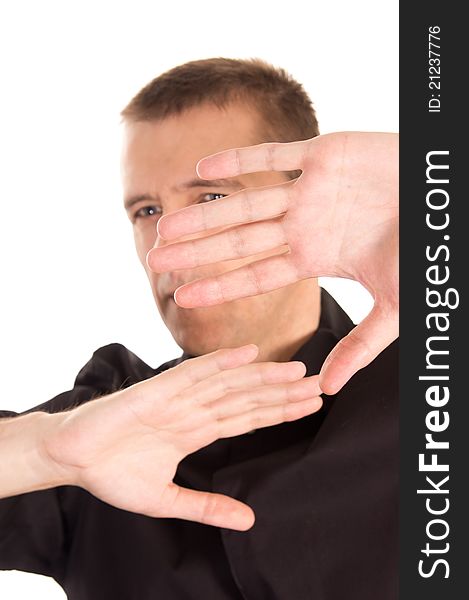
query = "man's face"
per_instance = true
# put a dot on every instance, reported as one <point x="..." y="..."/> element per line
<point x="159" y="177"/>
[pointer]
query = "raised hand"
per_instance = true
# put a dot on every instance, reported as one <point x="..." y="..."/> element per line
<point x="339" y="218"/>
<point x="125" y="448"/>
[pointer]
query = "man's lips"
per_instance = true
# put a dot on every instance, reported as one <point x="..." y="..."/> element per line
<point x="174" y="287"/>
<point x="170" y="294"/>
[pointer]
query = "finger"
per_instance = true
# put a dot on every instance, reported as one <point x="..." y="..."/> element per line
<point x="263" y="157"/>
<point x="254" y="278"/>
<point x="201" y="409"/>
<point x="234" y="243"/>
<point x="194" y="370"/>
<point x="208" y="508"/>
<point x="267" y="416"/>
<point x="237" y="403"/>
<point x="245" y="378"/>
<point x="251" y="204"/>
<point x="358" y="348"/>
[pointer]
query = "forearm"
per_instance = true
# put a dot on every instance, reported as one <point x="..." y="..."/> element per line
<point x="24" y="463"/>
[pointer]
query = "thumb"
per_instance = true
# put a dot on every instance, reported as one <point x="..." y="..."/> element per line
<point x="208" y="508"/>
<point x="357" y="349"/>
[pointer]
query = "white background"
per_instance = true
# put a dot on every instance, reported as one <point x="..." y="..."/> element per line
<point x="70" y="278"/>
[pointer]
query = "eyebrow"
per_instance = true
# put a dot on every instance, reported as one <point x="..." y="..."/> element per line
<point x="192" y="183"/>
<point x="129" y="202"/>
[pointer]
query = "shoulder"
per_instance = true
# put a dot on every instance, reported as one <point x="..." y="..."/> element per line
<point x="110" y="368"/>
<point x="116" y="367"/>
<point x="368" y="405"/>
<point x="113" y="366"/>
<point x="382" y="374"/>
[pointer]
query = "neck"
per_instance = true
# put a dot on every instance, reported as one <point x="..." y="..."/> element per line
<point x="281" y="337"/>
<point x="295" y="326"/>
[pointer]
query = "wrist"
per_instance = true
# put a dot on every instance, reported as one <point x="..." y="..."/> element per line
<point x="26" y="464"/>
<point x="53" y="472"/>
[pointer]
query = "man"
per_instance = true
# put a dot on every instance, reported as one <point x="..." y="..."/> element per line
<point x="323" y="487"/>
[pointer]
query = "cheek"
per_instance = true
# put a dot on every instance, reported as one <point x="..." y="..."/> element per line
<point x="144" y="239"/>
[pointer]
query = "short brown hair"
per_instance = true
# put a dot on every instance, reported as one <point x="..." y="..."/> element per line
<point x="284" y="106"/>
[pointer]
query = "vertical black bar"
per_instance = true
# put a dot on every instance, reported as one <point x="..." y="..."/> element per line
<point x="434" y="260"/>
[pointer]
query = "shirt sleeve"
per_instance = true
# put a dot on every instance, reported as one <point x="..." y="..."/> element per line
<point x="33" y="532"/>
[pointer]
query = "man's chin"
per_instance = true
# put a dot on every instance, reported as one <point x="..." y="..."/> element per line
<point x="200" y="330"/>
<point x="195" y="349"/>
<point x="197" y="338"/>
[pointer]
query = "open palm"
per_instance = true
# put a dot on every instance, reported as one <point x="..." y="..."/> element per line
<point x="125" y="448"/>
<point x="339" y="218"/>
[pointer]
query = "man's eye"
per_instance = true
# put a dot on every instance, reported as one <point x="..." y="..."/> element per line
<point x="146" y="211"/>
<point x="212" y="196"/>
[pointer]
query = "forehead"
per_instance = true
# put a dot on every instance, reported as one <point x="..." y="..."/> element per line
<point x="171" y="147"/>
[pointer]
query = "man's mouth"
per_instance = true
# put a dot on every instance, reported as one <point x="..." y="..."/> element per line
<point x="170" y="295"/>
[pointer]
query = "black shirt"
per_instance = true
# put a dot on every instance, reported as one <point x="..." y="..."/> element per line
<point x="324" y="490"/>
